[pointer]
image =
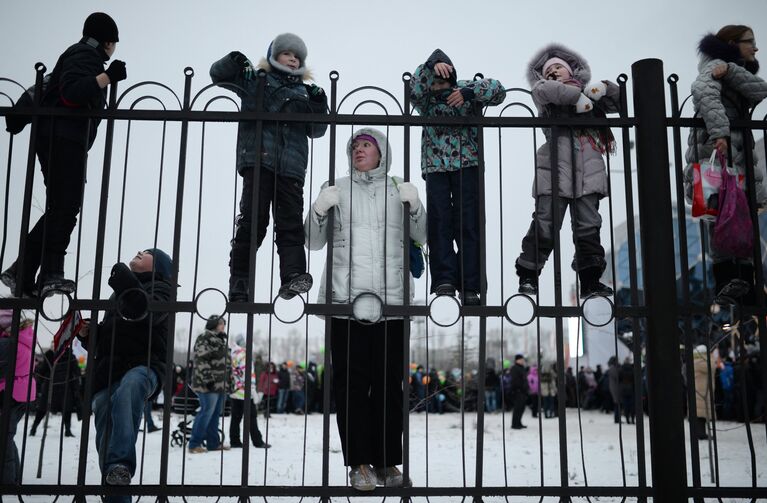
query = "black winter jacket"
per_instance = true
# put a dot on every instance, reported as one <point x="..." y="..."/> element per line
<point x="73" y="85"/>
<point x="131" y="343"/>
<point x="284" y="145"/>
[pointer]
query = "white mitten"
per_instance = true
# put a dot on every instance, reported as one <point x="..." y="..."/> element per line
<point x="584" y="104"/>
<point x="595" y="91"/>
<point x="408" y="193"/>
<point x="327" y="198"/>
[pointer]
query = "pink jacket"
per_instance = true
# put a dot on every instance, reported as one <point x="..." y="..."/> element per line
<point x="23" y="359"/>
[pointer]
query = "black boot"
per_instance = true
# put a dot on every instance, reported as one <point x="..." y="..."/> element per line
<point x="52" y="278"/>
<point x="238" y="288"/>
<point x="746" y="273"/>
<point x="8" y="278"/>
<point x="700" y="429"/>
<point x="528" y="280"/>
<point x="297" y="283"/>
<point x="733" y="283"/>
<point x="590" y="284"/>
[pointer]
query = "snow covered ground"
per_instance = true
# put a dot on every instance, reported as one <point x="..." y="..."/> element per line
<point x="513" y="460"/>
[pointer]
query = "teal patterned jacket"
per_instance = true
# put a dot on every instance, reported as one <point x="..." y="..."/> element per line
<point x="446" y="148"/>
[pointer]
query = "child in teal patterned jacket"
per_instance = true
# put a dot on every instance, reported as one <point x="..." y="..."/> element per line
<point x="450" y="166"/>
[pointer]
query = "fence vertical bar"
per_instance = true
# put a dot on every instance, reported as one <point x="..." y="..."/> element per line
<point x="483" y="301"/>
<point x="406" y="293"/>
<point x="684" y="271"/>
<point x="168" y="377"/>
<point x="329" y="290"/>
<point x="663" y="364"/>
<point x="10" y="371"/>
<point x="97" y="271"/>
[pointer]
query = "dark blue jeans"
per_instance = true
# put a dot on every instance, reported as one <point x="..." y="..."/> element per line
<point x="452" y="208"/>
<point x="205" y="426"/>
<point x="127" y="397"/>
<point x="282" y="400"/>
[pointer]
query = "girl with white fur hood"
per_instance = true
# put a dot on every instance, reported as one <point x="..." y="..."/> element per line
<point x="367" y="351"/>
<point x="559" y="79"/>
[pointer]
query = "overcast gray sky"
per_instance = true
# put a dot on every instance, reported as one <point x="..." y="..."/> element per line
<point x="369" y="44"/>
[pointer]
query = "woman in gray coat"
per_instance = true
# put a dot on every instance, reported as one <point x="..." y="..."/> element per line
<point x="726" y="88"/>
<point x="367" y="351"/>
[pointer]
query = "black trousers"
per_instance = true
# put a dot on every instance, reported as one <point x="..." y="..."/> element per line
<point x="367" y="382"/>
<point x="520" y="401"/>
<point x="285" y="196"/>
<point x="238" y="411"/>
<point x="453" y="211"/>
<point x="63" y="164"/>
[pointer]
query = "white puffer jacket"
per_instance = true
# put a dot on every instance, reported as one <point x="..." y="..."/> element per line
<point x="368" y="240"/>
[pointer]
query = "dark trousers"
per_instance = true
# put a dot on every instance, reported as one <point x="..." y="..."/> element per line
<point x="66" y="416"/>
<point x="285" y="196"/>
<point x="11" y="463"/>
<point x="452" y="208"/>
<point x="627" y="402"/>
<point x="367" y="382"/>
<point x="520" y="400"/>
<point x="63" y="164"/>
<point x="588" y="249"/>
<point x="238" y="411"/>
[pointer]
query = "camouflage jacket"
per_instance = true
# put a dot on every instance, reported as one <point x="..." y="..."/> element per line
<point x="446" y="148"/>
<point x="212" y="363"/>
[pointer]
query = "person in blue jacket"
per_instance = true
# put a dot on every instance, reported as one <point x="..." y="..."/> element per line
<point x="283" y="159"/>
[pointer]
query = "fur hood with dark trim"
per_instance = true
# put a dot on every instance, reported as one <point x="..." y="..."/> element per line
<point x="710" y="48"/>
<point x="581" y="68"/>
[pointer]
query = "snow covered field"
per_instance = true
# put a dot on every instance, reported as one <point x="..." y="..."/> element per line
<point x="451" y="460"/>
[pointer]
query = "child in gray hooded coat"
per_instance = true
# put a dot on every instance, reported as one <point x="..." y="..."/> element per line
<point x="559" y="79"/>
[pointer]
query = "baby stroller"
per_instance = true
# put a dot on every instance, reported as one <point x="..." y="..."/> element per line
<point x="181" y="434"/>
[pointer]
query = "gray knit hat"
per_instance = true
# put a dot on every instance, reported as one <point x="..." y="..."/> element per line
<point x="287" y="42"/>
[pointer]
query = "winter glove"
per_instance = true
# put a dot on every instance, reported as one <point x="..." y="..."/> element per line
<point x="595" y="91"/>
<point x="122" y="278"/>
<point x="248" y="72"/>
<point x="408" y="193"/>
<point x="116" y="71"/>
<point x="584" y="104"/>
<point x="316" y="93"/>
<point x="328" y="197"/>
<point x="467" y="93"/>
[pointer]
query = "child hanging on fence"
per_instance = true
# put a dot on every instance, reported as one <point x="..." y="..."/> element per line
<point x="284" y="155"/>
<point x="559" y="79"/>
<point x="450" y="166"/>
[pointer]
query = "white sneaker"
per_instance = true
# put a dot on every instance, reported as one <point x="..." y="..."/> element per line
<point x="362" y="478"/>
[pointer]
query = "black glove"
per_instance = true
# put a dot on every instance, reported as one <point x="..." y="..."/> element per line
<point x="116" y="71"/>
<point x="467" y="93"/>
<point x="122" y="278"/>
<point x="316" y="93"/>
<point x="239" y="58"/>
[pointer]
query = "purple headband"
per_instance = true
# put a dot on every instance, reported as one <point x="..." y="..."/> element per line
<point x="368" y="138"/>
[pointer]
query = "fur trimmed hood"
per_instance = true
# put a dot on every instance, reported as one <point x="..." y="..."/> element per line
<point x="581" y="68"/>
<point x="267" y="67"/>
<point x="384" y="147"/>
<point x="710" y="48"/>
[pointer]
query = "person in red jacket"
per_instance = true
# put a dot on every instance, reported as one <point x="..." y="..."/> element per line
<point x="268" y="384"/>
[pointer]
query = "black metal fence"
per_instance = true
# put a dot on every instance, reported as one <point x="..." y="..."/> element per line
<point x="657" y="313"/>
